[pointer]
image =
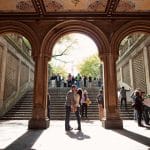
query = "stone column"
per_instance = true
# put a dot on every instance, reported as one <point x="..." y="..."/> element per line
<point x="131" y="73"/>
<point x="19" y="75"/>
<point x="111" y="118"/>
<point x="2" y="74"/>
<point x="39" y="118"/>
<point x="121" y="75"/>
<point x="146" y="66"/>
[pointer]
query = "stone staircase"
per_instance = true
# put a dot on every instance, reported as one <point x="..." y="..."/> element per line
<point x="126" y="114"/>
<point x="57" y="109"/>
<point x="23" y="109"/>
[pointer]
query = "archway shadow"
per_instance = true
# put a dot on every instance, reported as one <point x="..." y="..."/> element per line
<point x="26" y="141"/>
<point x="134" y="136"/>
<point x="79" y="135"/>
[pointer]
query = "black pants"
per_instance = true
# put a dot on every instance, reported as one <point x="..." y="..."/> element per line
<point x="139" y="117"/>
<point x="84" y="110"/>
<point x="125" y="102"/>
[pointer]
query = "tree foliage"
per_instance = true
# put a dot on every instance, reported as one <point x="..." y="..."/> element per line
<point x="63" y="47"/>
<point x="90" y="66"/>
<point x="60" y="70"/>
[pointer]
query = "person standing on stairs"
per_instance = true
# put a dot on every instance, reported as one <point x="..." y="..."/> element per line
<point x="123" y="97"/>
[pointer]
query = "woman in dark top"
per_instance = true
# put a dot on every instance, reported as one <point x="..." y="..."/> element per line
<point x="138" y="106"/>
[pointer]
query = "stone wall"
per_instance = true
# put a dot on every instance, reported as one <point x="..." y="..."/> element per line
<point x="139" y="71"/>
<point x="16" y="74"/>
<point x="24" y="74"/>
<point x="135" y="64"/>
<point x="126" y="74"/>
<point x="11" y="75"/>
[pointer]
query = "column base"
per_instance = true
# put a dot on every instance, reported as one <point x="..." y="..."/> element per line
<point x="38" y="124"/>
<point x="112" y="124"/>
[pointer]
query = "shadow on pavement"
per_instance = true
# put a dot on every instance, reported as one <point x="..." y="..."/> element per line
<point x="26" y="141"/>
<point x="77" y="135"/>
<point x="134" y="136"/>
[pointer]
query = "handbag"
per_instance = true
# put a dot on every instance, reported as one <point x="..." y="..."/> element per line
<point x="88" y="101"/>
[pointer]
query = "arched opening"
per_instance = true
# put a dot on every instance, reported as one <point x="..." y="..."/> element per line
<point x="42" y="79"/>
<point x="74" y="61"/>
<point x="132" y="46"/>
<point x="16" y="75"/>
<point x="69" y="53"/>
<point x="133" y="71"/>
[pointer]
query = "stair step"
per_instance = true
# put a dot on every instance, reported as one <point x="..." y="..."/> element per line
<point x="23" y="109"/>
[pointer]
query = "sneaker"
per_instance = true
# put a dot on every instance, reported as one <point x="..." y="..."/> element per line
<point x="140" y="125"/>
<point x="68" y="129"/>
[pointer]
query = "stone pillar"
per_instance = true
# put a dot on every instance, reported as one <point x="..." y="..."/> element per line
<point x="19" y="74"/>
<point x="146" y="66"/>
<point x="39" y="118"/>
<point x="2" y="74"/>
<point x="131" y="73"/>
<point x="111" y="118"/>
<point x="121" y="75"/>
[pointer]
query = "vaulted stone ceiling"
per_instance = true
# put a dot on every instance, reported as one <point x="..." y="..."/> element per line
<point x="99" y="8"/>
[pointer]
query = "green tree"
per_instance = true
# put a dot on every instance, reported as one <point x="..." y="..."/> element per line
<point x="90" y="66"/>
<point x="60" y="70"/>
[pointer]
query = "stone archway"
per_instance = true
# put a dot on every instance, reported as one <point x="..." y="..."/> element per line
<point x="26" y="31"/>
<point x="123" y="31"/>
<point x="111" y="119"/>
<point x="128" y="29"/>
<point x="75" y="26"/>
<point x="23" y="29"/>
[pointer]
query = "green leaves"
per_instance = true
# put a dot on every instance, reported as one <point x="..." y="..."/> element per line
<point x="90" y="66"/>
